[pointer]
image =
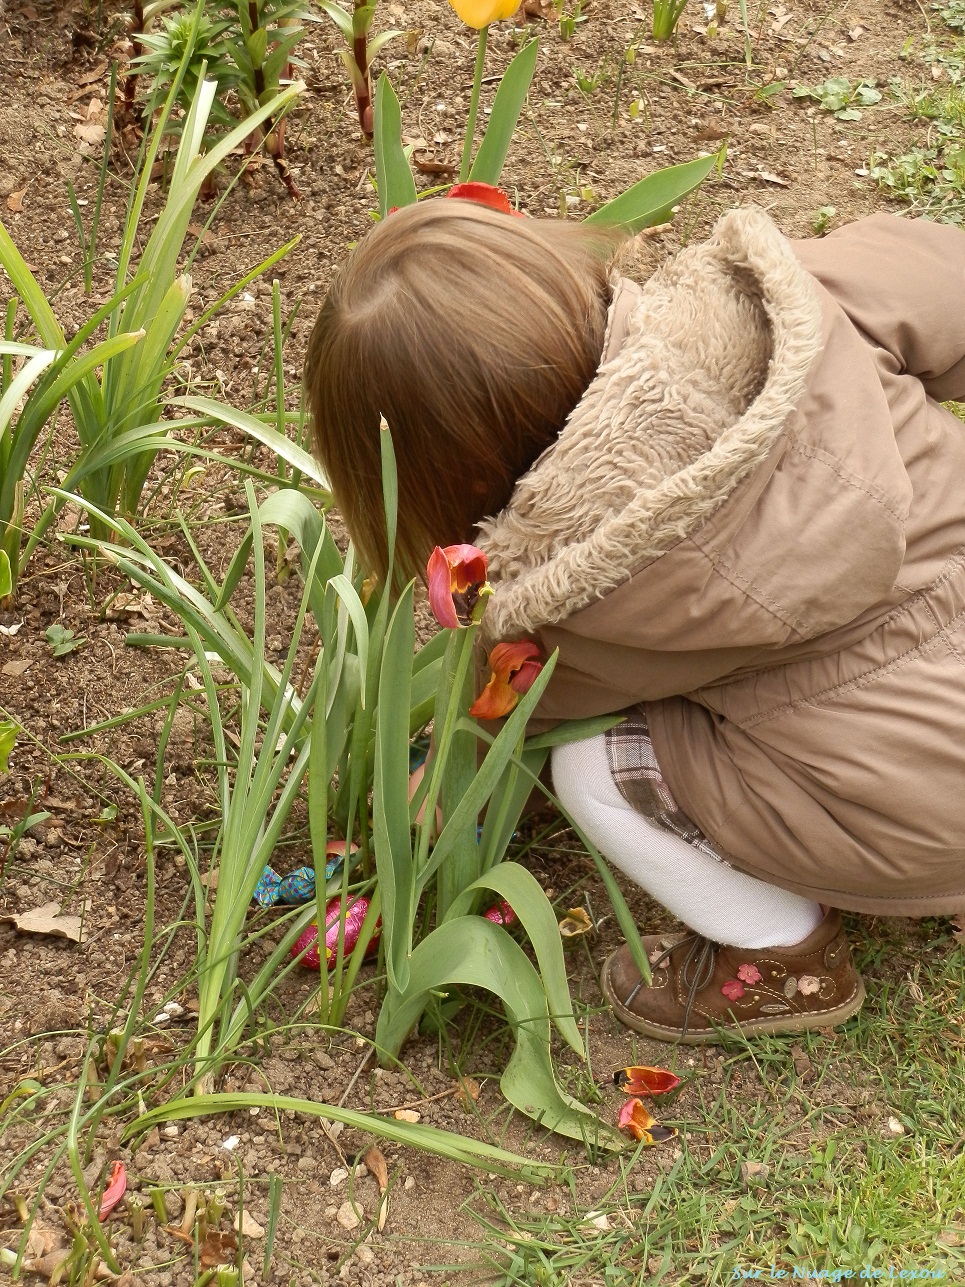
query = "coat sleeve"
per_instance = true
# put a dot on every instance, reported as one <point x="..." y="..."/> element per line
<point x="902" y="282"/>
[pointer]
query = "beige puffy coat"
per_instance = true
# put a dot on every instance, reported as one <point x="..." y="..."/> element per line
<point x="754" y="523"/>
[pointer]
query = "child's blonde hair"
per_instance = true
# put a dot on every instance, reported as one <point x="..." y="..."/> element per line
<point x="474" y="333"/>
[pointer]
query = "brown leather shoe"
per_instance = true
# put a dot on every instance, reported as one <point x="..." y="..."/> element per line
<point x="703" y="989"/>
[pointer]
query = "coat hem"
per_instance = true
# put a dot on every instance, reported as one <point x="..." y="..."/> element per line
<point x="902" y="904"/>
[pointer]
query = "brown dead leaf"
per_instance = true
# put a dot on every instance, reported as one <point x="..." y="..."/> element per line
<point x="375" y="1161"/>
<point x="958" y="927"/>
<point x="754" y="1172"/>
<point x="15" y="201"/>
<point x="773" y="178"/>
<point x="46" y="920"/>
<point x="90" y="132"/>
<point x="218" y="1248"/>
<point x="426" y="161"/>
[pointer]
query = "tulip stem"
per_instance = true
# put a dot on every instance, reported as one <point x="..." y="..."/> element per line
<point x="473" y="105"/>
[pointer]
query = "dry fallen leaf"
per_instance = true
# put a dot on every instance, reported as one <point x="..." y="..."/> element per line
<point x="46" y="920"/>
<point x="218" y="1248"/>
<point x="575" y="922"/>
<point x="90" y="132"/>
<point x="375" y="1162"/>
<point x="958" y="927"/>
<point x="15" y="201"/>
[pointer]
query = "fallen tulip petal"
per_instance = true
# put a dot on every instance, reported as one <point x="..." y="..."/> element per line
<point x="641" y="1080"/>
<point x="634" y="1120"/>
<point x="114" y="1191"/>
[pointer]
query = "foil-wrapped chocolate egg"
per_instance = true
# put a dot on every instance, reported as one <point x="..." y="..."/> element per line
<point x="354" y="917"/>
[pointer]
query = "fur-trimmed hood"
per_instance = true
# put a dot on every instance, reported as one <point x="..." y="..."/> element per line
<point x="702" y="367"/>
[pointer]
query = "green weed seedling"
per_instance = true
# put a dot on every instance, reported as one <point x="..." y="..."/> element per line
<point x="821" y="221"/>
<point x="62" y="640"/>
<point x="842" y="97"/>
<point x="570" y="18"/>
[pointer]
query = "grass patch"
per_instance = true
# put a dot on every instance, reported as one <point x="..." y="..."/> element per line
<point x="802" y="1157"/>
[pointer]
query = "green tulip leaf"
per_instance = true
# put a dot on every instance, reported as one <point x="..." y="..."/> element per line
<point x="507" y="105"/>
<point x="446" y="1144"/>
<point x="472" y="951"/>
<point x="651" y="201"/>
<point x="392" y="174"/>
<point x="8" y="735"/>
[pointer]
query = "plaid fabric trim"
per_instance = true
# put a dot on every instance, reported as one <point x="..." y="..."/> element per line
<point x="634" y="767"/>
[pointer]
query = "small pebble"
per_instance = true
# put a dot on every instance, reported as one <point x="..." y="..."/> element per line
<point x="349" y="1215"/>
<point x="231" y="1143"/>
<point x="338" y="1176"/>
<point x="250" y="1228"/>
<point x="170" y="1132"/>
<point x="364" y="1254"/>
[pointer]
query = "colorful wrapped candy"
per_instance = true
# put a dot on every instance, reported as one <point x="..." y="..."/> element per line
<point x="354" y="917"/>
<point x="298" y="886"/>
<point x="501" y="914"/>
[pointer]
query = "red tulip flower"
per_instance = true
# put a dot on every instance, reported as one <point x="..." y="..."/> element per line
<point x="634" y="1120"/>
<point x="484" y="194"/>
<point x="514" y="669"/>
<point x="458" y="588"/>
<point x="646" y="1081"/>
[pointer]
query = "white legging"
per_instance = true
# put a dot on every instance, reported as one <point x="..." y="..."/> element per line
<point x="707" y="894"/>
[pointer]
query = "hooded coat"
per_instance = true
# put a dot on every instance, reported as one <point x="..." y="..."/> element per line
<point x="753" y="524"/>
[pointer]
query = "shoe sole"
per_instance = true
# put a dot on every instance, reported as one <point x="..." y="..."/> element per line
<point x="776" y="1025"/>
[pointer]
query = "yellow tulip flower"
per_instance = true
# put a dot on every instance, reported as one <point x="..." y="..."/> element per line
<point x="480" y="13"/>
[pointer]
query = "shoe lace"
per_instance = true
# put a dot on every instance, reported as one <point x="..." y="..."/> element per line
<point x="695" y="971"/>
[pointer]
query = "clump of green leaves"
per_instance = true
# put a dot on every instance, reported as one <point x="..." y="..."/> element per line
<point x="247" y="48"/>
<point x="822" y="219"/>
<point x="842" y="97"/>
<point x="62" y="639"/>
<point x="952" y="14"/>
<point x="666" y="15"/>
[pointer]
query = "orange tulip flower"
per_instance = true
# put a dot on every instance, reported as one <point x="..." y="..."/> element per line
<point x="514" y="669"/>
<point x="458" y="588"/>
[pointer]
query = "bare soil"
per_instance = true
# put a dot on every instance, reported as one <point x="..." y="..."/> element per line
<point x="574" y="147"/>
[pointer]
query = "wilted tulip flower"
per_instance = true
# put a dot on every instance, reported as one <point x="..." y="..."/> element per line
<point x="634" y="1120"/>
<point x="480" y="13"/>
<point x="514" y="669"/>
<point x="458" y="588"/>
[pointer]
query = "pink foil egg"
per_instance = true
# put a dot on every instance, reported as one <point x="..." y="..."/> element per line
<point x="354" y="916"/>
<point x="501" y="914"/>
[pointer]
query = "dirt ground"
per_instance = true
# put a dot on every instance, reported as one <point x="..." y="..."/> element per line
<point x="575" y="146"/>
